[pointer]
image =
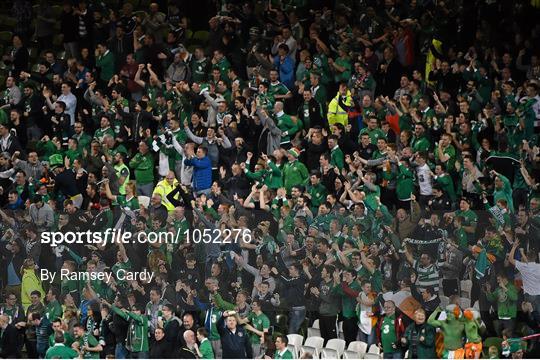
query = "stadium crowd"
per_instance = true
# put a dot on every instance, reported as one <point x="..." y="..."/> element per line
<point x="369" y="166"/>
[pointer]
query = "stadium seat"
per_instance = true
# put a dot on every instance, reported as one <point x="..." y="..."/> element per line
<point x="314" y="330"/>
<point x="334" y="349"/>
<point x="372" y="356"/>
<point x="296" y="341"/>
<point x="312" y="345"/>
<point x="358" y="347"/>
<point x="374" y="349"/>
<point x="466" y="287"/>
<point x="465" y="302"/>
<point x="292" y="349"/>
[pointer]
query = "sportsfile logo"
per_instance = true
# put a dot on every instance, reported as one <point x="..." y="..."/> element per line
<point x="116" y="236"/>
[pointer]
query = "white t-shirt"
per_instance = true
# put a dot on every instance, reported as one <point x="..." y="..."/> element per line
<point x="530" y="273"/>
<point x="423" y="173"/>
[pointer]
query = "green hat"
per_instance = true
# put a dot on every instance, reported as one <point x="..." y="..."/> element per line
<point x="55" y="161"/>
<point x="294" y="152"/>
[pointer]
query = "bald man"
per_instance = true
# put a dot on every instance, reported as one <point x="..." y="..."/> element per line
<point x="188" y="351"/>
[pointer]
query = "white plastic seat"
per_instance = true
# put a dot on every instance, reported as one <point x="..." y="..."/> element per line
<point x="348" y="354"/>
<point x="334" y="349"/>
<point x="295" y="341"/>
<point x="465" y="302"/>
<point x="359" y="347"/>
<point x="313" y="345"/>
<point x="314" y="330"/>
<point x="372" y="356"/>
<point x="374" y="349"/>
<point x="292" y="349"/>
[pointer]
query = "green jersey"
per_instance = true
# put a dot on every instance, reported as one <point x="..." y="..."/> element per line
<point x="53" y="310"/>
<point x="287" y="354"/>
<point x="348" y="304"/>
<point x="277" y="88"/>
<point x="337" y="158"/>
<point x="119" y="270"/>
<point x="68" y="339"/>
<point x="470" y="219"/>
<point x="61" y="351"/>
<point x="137" y="337"/>
<point x="83" y="140"/>
<point x="288" y="126"/>
<point x="259" y="322"/>
<point x="374" y="134"/>
<point x="101" y="133"/>
<point x="90" y="341"/>
<point x="420" y="144"/>
<point x="206" y="349"/>
<point x="294" y="173"/>
<point x="122" y="171"/>
<point x="270" y="177"/>
<point x="144" y="168"/>
<point x="388" y="333"/>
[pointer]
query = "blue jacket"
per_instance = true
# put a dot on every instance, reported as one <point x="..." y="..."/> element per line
<point x="286" y="71"/>
<point x="202" y="172"/>
<point x="234" y="346"/>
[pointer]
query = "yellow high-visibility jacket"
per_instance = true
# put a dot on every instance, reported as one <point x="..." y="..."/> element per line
<point x="163" y="189"/>
<point x="336" y="114"/>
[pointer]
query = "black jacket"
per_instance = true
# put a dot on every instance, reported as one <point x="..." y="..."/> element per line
<point x="13" y="144"/>
<point x="159" y="350"/>
<point x="10" y="343"/>
<point x="69" y="26"/>
<point x="234" y="345"/>
<point x="314" y="112"/>
<point x="236" y="185"/>
<point x="172" y="329"/>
